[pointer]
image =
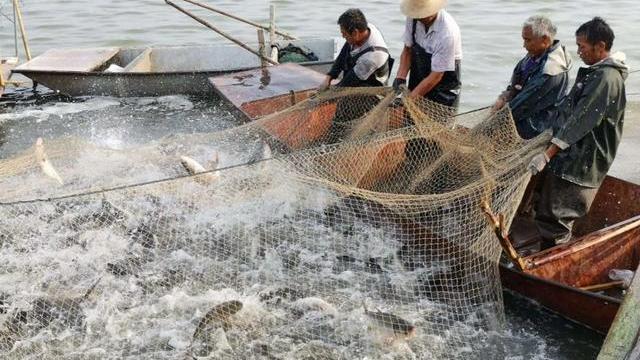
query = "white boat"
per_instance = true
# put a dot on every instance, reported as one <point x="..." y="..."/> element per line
<point x="153" y="71"/>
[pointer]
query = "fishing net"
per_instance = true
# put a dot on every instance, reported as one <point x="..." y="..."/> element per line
<point x="348" y="225"/>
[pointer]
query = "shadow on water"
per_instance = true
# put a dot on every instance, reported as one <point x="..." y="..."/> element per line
<point x="563" y="338"/>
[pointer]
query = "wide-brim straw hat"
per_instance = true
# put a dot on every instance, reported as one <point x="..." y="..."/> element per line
<point x="420" y="9"/>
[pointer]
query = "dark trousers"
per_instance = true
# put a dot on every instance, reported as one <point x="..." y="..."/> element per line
<point x="561" y="202"/>
<point x="349" y="109"/>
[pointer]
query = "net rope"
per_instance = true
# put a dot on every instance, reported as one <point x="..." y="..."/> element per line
<point x="348" y="225"/>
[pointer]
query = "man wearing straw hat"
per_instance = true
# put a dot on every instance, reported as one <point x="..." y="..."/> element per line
<point x="432" y="52"/>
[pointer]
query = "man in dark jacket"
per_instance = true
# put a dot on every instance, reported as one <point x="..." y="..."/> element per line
<point x="586" y="135"/>
<point x="539" y="80"/>
<point x="363" y="61"/>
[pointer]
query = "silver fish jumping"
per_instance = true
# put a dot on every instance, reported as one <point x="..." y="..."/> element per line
<point x="45" y="164"/>
<point x="398" y="325"/>
<point x="193" y="167"/>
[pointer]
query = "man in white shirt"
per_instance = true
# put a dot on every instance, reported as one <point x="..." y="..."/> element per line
<point x="432" y="52"/>
<point x="364" y="59"/>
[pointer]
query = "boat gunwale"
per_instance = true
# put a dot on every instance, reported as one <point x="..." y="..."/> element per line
<point x="559" y="284"/>
<point x="585" y="242"/>
<point x="25" y="72"/>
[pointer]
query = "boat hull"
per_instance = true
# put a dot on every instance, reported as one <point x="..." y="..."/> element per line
<point x="151" y="71"/>
<point x="585" y="308"/>
<point x="609" y="238"/>
<point x="134" y="84"/>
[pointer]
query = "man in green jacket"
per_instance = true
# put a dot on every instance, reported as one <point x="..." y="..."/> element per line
<point x="587" y="132"/>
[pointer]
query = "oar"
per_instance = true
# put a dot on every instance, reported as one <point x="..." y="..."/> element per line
<point x="224" y="34"/>
<point x="205" y="6"/>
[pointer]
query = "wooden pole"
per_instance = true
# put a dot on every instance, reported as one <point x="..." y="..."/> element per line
<point x="224" y="34"/>
<point x="498" y="224"/>
<point x="623" y="334"/>
<point x="23" y="33"/>
<point x="272" y="33"/>
<point x="15" y="31"/>
<point x="205" y="6"/>
<point x="261" y="48"/>
<point x="603" y="286"/>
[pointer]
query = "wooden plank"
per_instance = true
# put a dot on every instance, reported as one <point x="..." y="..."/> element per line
<point x="79" y="60"/>
<point x="259" y="84"/>
<point x="623" y="335"/>
<point x="587" y="261"/>
<point x="142" y="62"/>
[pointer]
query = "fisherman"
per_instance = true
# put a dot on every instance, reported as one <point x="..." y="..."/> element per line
<point x="432" y="52"/>
<point x="363" y="61"/>
<point x="431" y="58"/>
<point x="539" y="80"/>
<point x="586" y="135"/>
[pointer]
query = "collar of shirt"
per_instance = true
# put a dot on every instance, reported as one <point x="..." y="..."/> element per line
<point x="437" y="25"/>
<point x="355" y="50"/>
<point x="372" y="40"/>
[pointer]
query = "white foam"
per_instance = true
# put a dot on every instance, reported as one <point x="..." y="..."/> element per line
<point x="61" y="109"/>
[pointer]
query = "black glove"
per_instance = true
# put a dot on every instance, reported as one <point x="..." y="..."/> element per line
<point x="397" y="82"/>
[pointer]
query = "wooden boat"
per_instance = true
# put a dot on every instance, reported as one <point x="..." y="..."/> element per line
<point x="151" y="71"/>
<point x="607" y="238"/>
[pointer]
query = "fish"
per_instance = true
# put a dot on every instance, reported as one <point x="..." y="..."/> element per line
<point x="129" y="265"/>
<point x="193" y="168"/>
<point x="108" y="213"/>
<point x="398" y="325"/>
<point x="372" y="265"/>
<point x="44" y="311"/>
<point x="261" y="153"/>
<point x="278" y="294"/>
<point x="219" y="313"/>
<point x="312" y="304"/>
<point x="143" y="236"/>
<point x="45" y="164"/>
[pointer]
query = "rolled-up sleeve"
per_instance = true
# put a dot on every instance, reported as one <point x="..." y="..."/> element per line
<point x="407" y="38"/>
<point x="444" y="55"/>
